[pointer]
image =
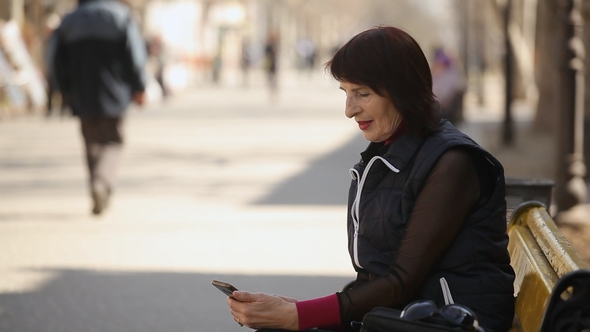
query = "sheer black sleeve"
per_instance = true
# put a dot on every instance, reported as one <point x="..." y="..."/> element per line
<point x="451" y="190"/>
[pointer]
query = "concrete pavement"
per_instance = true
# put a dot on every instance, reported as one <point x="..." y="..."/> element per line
<point x="216" y="183"/>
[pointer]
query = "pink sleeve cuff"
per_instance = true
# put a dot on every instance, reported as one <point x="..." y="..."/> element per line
<point x="319" y="312"/>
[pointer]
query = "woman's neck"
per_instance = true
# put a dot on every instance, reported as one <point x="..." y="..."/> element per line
<point x="400" y="130"/>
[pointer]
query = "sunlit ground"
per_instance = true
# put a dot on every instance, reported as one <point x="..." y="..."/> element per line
<point x="194" y="169"/>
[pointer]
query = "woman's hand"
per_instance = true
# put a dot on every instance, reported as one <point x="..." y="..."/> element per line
<point x="259" y="310"/>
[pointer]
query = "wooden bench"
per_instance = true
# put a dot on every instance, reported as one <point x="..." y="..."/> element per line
<point x="549" y="272"/>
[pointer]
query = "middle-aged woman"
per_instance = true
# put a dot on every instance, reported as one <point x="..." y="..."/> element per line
<point x="426" y="202"/>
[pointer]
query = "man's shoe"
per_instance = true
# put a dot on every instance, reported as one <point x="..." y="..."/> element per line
<point x="100" y="199"/>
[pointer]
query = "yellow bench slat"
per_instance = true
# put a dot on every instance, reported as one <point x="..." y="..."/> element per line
<point x="556" y="248"/>
<point x="540" y="256"/>
<point x="534" y="277"/>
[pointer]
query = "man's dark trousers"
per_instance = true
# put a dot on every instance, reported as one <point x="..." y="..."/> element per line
<point x="103" y="138"/>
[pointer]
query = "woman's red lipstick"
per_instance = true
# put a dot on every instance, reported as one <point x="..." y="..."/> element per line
<point x="364" y="124"/>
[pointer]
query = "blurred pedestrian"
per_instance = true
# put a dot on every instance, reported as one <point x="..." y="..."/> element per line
<point x="307" y="53"/>
<point x="448" y="85"/>
<point x="99" y="63"/>
<point x="157" y="53"/>
<point x="270" y="61"/>
<point x="246" y="60"/>
<point x="52" y="21"/>
<point x="216" y="67"/>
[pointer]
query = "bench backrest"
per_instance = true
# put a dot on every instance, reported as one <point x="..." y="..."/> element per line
<point x="540" y="256"/>
<point x="520" y="190"/>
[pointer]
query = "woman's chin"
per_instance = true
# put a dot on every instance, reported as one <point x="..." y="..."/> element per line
<point x="372" y="138"/>
<point x="368" y="136"/>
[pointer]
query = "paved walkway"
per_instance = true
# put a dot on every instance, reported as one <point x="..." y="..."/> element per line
<point x="216" y="183"/>
<point x="223" y="183"/>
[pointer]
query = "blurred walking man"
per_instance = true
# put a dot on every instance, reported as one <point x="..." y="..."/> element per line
<point x="99" y="64"/>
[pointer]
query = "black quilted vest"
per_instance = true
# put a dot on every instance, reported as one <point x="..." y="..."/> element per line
<point x="476" y="266"/>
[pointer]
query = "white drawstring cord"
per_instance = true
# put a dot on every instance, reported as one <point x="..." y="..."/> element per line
<point x="446" y="291"/>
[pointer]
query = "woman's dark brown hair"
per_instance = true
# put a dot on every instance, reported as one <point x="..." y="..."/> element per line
<point x="391" y="63"/>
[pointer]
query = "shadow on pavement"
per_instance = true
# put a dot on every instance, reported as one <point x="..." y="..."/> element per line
<point x="324" y="182"/>
<point x="107" y="301"/>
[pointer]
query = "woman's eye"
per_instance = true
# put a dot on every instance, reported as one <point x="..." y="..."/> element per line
<point x="363" y="94"/>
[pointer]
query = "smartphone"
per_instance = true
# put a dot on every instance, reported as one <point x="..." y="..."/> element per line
<point x="226" y="288"/>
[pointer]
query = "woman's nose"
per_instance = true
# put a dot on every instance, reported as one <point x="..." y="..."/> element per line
<point x="351" y="108"/>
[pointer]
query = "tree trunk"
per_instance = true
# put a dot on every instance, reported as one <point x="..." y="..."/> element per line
<point x="586" y="15"/>
<point x="546" y="68"/>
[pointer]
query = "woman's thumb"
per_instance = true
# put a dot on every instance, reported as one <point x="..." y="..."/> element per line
<point x="243" y="296"/>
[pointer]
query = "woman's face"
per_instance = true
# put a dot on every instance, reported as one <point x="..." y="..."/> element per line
<point x="376" y="116"/>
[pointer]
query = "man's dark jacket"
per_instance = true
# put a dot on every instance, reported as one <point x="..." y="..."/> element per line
<point x="99" y="58"/>
<point x="476" y="265"/>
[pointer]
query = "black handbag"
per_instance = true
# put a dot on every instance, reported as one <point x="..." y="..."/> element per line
<point x="383" y="319"/>
<point x="569" y="312"/>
